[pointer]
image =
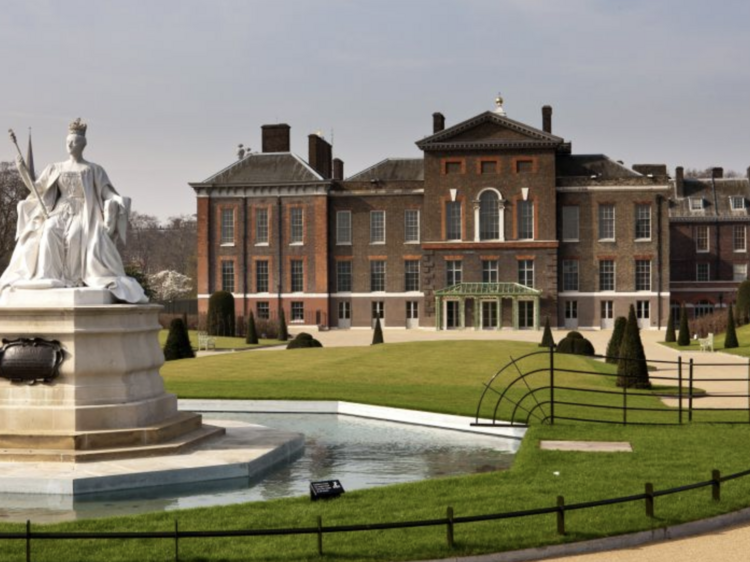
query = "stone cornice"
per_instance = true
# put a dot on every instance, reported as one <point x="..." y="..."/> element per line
<point x="245" y="190"/>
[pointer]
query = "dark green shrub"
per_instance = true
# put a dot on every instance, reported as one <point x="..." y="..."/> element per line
<point x="683" y="337"/>
<point x="136" y="272"/>
<point x="574" y="343"/>
<point x="742" y="303"/>
<point x="178" y="342"/>
<point x="302" y="340"/>
<point x="670" y="336"/>
<point x="730" y="339"/>
<point x="547" y="339"/>
<point x="283" y="331"/>
<point x="613" y="347"/>
<point x="377" y="336"/>
<point x="221" y="314"/>
<point x="251" y="335"/>
<point x="632" y="370"/>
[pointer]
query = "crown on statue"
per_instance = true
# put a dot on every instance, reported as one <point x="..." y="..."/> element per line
<point x="77" y="127"/>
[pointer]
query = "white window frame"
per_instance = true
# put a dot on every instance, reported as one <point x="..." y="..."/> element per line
<point x="407" y="273"/>
<point x="261" y="226"/>
<point x="458" y="205"/>
<point x="296" y="226"/>
<point x="639" y="263"/>
<point x="227" y="227"/>
<point x="228" y="274"/>
<point x="298" y="275"/>
<point x="739" y="228"/>
<point x="375" y="265"/>
<point x="454" y="272"/>
<point x="526" y="271"/>
<point x="571" y="276"/>
<point x="341" y="273"/>
<point x="640" y="221"/>
<point x="700" y="230"/>
<point x="602" y="220"/>
<point x="737" y="203"/>
<point x="376" y="236"/>
<point x="297" y="312"/>
<point x="409" y="237"/>
<point x="739" y="272"/>
<point x="614" y="275"/>
<point x="258" y="275"/>
<point x="702" y="271"/>
<point x="522" y="233"/>
<point x="491" y="269"/>
<point x="343" y="228"/>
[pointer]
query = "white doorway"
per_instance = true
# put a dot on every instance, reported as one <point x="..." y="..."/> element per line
<point x="345" y="314"/>
<point x="607" y="314"/>
<point x="571" y="315"/>
<point x="643" y="313"/>
<point x="412" y="315"/>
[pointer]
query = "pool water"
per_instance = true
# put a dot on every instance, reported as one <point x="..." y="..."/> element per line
<point x="361" y="453"/>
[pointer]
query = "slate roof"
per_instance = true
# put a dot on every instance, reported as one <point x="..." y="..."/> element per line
<point x="266" y="168"/>
<point x="587" y="165"/>
<point x="392" y="169"/>
<point x="714" y="198"/>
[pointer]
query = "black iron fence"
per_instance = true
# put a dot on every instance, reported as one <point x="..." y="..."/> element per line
<point x="450" y="521"/>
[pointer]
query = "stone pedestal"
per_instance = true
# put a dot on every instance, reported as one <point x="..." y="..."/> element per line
<point x="109" y="400"/>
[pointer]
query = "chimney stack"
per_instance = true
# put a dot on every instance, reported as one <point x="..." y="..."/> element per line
<point x="275" y="138"/>
<point x="547" y="119"/>
<point x="679" y="181"/>
<point x="438" y="122"/>
<point x="717" y="173"/>
<point x="338" y="169"/>
<point x="320" y="152"/>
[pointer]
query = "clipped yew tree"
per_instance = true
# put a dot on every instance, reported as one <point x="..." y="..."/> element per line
<point x="683" y="336"/>
<point x="251" y="334"/>
<point x="730" y="339"/>
<point x="377" y="335"/>
<point x="613" y="346"/>
<point x="670" y="336"/>
<point x="743" y="302"/>
<point x="547" y="339"/>
<point x="632" y="370"/>
<point x="283" y="331"/>
<point x="178" y="342"/>
<point x="221" y="314"/>
<point x="574" y="343"/>
<point x="303" y="340"/>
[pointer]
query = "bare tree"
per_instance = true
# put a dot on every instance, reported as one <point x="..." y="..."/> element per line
<point x="707" y="172"/>
<point x="12" y="191"/>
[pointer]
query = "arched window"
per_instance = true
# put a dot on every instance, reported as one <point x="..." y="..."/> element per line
<point x="489" y="218"/>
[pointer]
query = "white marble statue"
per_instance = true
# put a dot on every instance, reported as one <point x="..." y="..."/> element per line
<point x="67" y="228"/>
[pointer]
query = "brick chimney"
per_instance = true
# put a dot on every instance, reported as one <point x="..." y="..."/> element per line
<point x="320" y="152"/>
<point x="438" y="122"/>
<point x="275" y="137"/>
<point x="679" y="181"/>
<point x="717" y="173"/>
<point x="338" y="169"/>
<point x="547" y="119"/>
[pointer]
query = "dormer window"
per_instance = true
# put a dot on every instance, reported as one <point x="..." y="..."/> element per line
<point x="737" y="202"/>
<point x="696" y="204"/>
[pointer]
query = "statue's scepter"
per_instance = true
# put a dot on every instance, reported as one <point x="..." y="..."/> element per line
<point x="27" y="180"/>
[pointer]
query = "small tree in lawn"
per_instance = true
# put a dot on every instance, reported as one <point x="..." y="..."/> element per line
<point x="670" y="336"/>
<point x="178" y="342"/>
<point x="377" y="336"/>
<point x="730" y="339"/>
<point x="743" y="302"/>
<point x="221" y="314"/>
<point x="683" y="337"/>
<point x="632" y="370"/>
<point x="547" y="339"/>
<point x="283" y="331"/>
<point x="251" y="335"/>
<point x="613" y="347"/>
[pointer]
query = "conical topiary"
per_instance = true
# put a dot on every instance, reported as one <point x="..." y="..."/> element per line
<point x="743" y="302"/>
<point x="730" y="339"/>
<point x="178" y="342"/>
<point x="683" y="337"/>
<point x="251" y="335"/>
<point x="283" y="331"/>
<point x="632" y="370"/>
<point x="377" y="336"/>
<point x="547" y="339"/>
<point x="670" y="336"/>
<point x="613" y="347"/>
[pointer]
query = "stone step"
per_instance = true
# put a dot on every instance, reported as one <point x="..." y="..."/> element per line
<point x="175" y="445"/>
<point x="182" y="423"/>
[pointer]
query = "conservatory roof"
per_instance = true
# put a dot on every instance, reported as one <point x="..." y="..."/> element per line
<point x="487" y="289"/>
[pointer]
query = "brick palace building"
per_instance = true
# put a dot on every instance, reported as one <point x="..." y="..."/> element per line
<point x="498" y="224"/>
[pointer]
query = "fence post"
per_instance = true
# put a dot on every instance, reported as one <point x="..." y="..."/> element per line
<point x="716" y="485"/>
<point x="560" y="515"/>
<point x="320" y="535"/>
<point x="28" y="540"/>
<point x="679" y="388"/>
<point x="552" y="385"/>
<point x="690" y="390"/>
<point x="649" y="499"/>
<point x="450" y="526"/>
<point x="748" y="390"/>
<point x="625" y="404"/>
<point x="176" y="542"/>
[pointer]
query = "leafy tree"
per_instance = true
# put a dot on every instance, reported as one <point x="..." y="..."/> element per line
<point x="547" y="339"/>
<point x="730" y="339"/>
<point x="377" y="335"/>
<point x="178" y="342"/>
<point x="283" y="331"/>
<point x="12" y="191"/>
<point x="632" y="370"/>
<point x="743" y="302"/>
<point x="133" y="270"/>
<point x="303" y="340"/>
<point x="169" y="285"/>
<point x="683" y="337"/>
<point x="615" y="340"/>
<point x="221" y="314"/>
<point x="670" y="336"/>
<point x="251" y="334"/>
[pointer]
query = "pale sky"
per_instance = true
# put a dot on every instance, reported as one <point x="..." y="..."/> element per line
<point x="170" y="87"/>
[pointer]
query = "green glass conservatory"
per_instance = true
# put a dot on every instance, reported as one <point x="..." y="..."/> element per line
<point x="486" y="306"/>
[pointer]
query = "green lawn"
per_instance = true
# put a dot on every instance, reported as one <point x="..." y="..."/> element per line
<point x="443" y="377"/>
<point x="743" y="337"/>
<point x="221" y="342"/>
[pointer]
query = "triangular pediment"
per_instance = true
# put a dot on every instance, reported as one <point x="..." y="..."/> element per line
<point x="489" y="129"/>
